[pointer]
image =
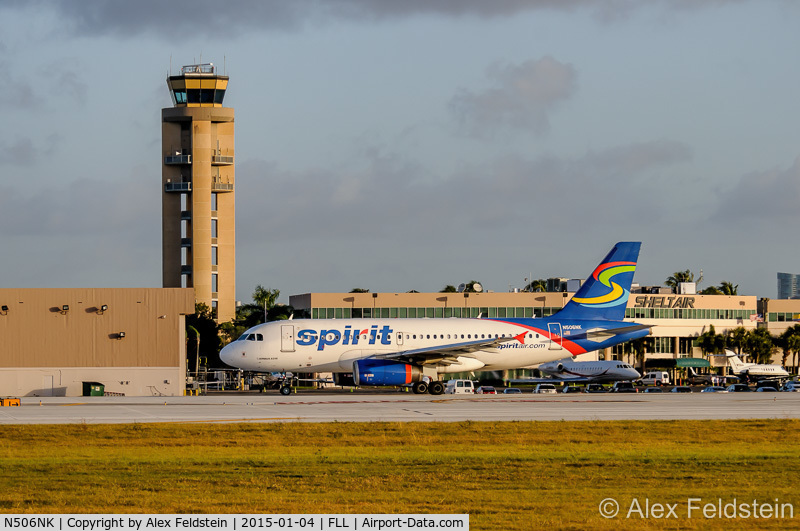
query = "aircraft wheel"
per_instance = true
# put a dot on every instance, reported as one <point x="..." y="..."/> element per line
<point x="420" y="388"/>
<point x="436" y="388"/>
<point x="286" y="390"/>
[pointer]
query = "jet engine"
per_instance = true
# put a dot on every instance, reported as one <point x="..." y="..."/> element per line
<point x="385" y="372"/>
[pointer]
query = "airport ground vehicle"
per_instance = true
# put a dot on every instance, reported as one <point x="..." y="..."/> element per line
<point x="485" y="390"/>
<point x="714" y="389"/>
<point x="623" y="387"/>
<point x="545" y="389"/>
<point x="656" y="378"/>
<point x="681" y="389"/>
<point x="571" y="389"/>
<point x="512" y="391"/>
<point x="456" y="387"/>
<point x="738" y="388"/>
<point x="595" y="388"/>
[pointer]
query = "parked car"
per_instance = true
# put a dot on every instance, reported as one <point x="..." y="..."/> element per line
<point x="738" y="388"/>
<point x="791" y="387"/>
<point x="768" y="385"/>
<point x="485" y="390"/>
<point x="595" y="388"/>
<point x="623" y="387"/>
<point x="571" y="389"/>
<point x="512" y="391"/>
<point x="545" y="389"/>
<point x="653" y="390"/>
<point x="681" y="389"/>
<point x="766" y="389"/>
<point x="714" y="389"/>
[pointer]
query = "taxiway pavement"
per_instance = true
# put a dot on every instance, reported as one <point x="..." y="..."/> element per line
<point x="400" y="407"/>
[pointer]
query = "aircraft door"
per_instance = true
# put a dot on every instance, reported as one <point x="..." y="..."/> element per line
<point x="555" y="336"/>
<point x="399" y="339"/>
<point x="287" y="338"/>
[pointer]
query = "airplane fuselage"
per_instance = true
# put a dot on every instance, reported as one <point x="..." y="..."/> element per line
<point x="333" y="345"/>
<point x="590" y="371"/>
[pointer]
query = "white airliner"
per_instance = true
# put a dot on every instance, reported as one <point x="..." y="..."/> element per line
<point x="755" y="371"/>
<point x="571" y="371"/>
<point x="419" y="351"/>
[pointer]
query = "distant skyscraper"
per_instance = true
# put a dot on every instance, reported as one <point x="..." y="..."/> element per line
<point x="788" y="286"/>
<point x="198" y="222"/>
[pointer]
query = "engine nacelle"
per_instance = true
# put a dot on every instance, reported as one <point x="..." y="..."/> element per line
<point x="385" y="372"/>
<point x="560" y="367"/>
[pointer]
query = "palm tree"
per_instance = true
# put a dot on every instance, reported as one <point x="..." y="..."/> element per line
<point x="679" y="277"/>
<point x="793" y="344"/>
<point x="710" y="342"/>
<point x="448" y="289"/>
<point x="790" y="343"/>
<point x="737" y="338"/>
<point x="538" y="285"/>
<point x="761" y="345"/>
<point x="729" y="289"/>
<point x="639" y="348"/>
<point x="711" y="290"/>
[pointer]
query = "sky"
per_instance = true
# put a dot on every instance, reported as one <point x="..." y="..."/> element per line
<point x="408" y="145"/>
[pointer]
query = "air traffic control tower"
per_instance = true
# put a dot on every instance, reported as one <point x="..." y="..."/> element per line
<point x="197" y="173"/>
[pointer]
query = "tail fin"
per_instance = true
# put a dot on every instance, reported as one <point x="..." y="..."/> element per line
<point x="736" y="362"/>
<point x="604" y="295"/>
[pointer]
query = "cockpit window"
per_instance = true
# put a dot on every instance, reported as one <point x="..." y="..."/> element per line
<point x="251" y="337"/>
<point x="242" y="337"/>
<point x="259" y="337"/>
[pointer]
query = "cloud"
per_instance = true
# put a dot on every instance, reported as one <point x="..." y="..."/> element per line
<point x="173" y="20"/>
<point x="521" y="98"/>
<point x="765" y="199"/>
<point x="391" y="196"/>
<point x="83" y="207"/>
<point x="16" y="93"/>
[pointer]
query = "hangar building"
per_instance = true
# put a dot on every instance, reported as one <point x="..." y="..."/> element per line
<point x="130" y="340"/>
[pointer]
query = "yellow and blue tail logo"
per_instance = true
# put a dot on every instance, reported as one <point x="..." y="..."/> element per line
<point x="604" y="295"/>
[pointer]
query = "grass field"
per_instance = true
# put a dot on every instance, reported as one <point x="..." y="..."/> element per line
<point x="505" y="475"/>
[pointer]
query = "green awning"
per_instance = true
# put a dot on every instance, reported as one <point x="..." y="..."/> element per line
<point x="692" y="362"/>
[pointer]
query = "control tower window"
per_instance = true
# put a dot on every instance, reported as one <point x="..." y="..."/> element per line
<point x="180" y="96"/>
<point x="218" y="95"/>
<point x="206" y="95"/>
<point x="193" y="95"/>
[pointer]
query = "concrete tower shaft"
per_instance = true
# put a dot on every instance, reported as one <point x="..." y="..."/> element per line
<point x="198" y="197"/>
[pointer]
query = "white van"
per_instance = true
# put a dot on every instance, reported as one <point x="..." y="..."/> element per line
<point x="455" y="387"/>
<point x="656" y="378"/>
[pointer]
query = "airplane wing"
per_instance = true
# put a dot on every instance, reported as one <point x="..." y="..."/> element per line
<point x="444" y="354"/>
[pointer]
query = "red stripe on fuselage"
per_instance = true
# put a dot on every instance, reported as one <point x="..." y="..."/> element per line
<point x="571" y="346"/>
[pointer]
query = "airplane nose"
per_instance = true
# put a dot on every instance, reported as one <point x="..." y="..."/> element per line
<point x="226" y="355"/>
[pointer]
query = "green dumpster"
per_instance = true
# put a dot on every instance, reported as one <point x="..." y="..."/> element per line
<point x="93" y="389"/>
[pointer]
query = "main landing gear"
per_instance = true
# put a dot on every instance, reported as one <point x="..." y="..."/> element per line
<point x="434" y="388"/>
